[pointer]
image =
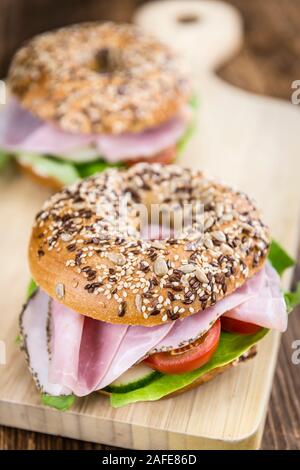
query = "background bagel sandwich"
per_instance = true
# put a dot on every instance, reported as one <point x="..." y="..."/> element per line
<point x="139" y="318"/>
<point x="94" y="95"/>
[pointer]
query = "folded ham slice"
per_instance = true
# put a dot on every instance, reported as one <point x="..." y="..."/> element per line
<point x="88" y="355"/>
<point x="136" y="344"/>
<point x="20" y="131"/>
<point x="34" y="323"/>
<point x="83" y="349"/>
<point x="266" y="309"/>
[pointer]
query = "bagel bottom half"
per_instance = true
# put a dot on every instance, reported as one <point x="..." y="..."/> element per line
<point x="46" y="181"/>
<point x="208" y="376"/>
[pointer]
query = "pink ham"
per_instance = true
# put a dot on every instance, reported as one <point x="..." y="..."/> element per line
<point x="266" y="309"/>
<point x="145" y="144"/>
<point x="135" y="345"/>
<point x="100" y="344"/>
<point x="67" y="330"/>
<point x="34" y="324"/>
<point x="82" y="349"/>
<point x="20" y="131"/>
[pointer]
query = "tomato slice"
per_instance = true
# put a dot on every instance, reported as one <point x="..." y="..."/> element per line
<point x="231" y="325"/>
<point x="188" y="358"/>
<point x="166" y="157"/>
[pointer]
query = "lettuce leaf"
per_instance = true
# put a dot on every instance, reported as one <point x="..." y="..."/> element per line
<point x="31" y="288"/>
<point x="49" y="166"/>
<point x="231" y="347"/>
<point x="182" y="142"/>
<point x="292" y="299"/>
<point x="97" y="166"/>
<point x="18" y="339"/>
<point x="279" y="258"/>
<point x="61" y="403"/>
<point x="4" y="159"/>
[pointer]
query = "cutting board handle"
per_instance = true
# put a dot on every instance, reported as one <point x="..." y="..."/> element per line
<point x="207" y="33"/>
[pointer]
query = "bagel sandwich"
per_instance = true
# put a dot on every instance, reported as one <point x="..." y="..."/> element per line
<point x="94" y="95"/>
<point x="146" y="315"/>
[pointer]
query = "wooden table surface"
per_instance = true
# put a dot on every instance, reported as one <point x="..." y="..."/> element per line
<point x="267" y="64"/>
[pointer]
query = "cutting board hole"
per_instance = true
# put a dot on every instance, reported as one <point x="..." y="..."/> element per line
<point x="188" y="18"/>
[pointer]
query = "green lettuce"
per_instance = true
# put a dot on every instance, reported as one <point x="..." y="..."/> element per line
<point x="50" y="166"/>
<point x="279" y="258"/>
<point x="4" y="159"/>
<point x="292" y="299"/>
<point x="66" y="172"/>
<point x="31" y="288"/>
<point x="231" y="346"/>
<point x="61" y="403"/>
<point x="97" y="166"/>
<point x="181" y="144"/>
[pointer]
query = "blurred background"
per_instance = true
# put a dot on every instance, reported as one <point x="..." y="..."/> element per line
<point x="266" y="64"/>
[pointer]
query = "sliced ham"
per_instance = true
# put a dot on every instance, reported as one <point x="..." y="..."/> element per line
<point x="267" y="309"/>
<point x="88" y="355"/>
<point x="146" y="143"/>
<point x="82" y="349"/>
<point x="135" y="345"/>
<point x="22" y="132"/>
<point x="100" y="344"/>
<point x="67" y="329"/>
<point x="34" y="322"/>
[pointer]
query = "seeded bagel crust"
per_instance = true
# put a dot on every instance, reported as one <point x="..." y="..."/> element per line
<point x="81" y="254"/>
<point x="99" y="78"/>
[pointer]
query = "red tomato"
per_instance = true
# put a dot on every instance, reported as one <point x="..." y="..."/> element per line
<point x="237" y="326"/>
<point x="166" y="157"/>
<point x="188" y="358"/>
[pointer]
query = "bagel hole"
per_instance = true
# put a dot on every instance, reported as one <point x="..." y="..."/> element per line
<point x="107" y="60"/>
<point x="188" y="18"/>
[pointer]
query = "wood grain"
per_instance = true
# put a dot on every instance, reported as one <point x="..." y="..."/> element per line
<point x="256" y="68"/>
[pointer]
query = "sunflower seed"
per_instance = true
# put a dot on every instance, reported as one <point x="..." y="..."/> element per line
<point x="208" y="243"/>
<point x="219" y="236"/>
<point x="138" y="302"/>
<point x="219" y="209"/>
<point x="66" y="237"/>
<point x="209" y="223"/>
<point x="116" y="258"/>
<point x="60" y="290"/>
<point x="200" y="275"/>
<point x="226" y="249"/>
<point x="160" y="267"/>
<point x="188" y="268"/>
<point x="157" y="244"/>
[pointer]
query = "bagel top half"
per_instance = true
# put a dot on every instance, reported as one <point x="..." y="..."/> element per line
<point x="93" y="78"/>
<point x="88" y="258"/>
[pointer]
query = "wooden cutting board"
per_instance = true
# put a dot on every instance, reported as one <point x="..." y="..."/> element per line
<point x="248" y="141"/>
